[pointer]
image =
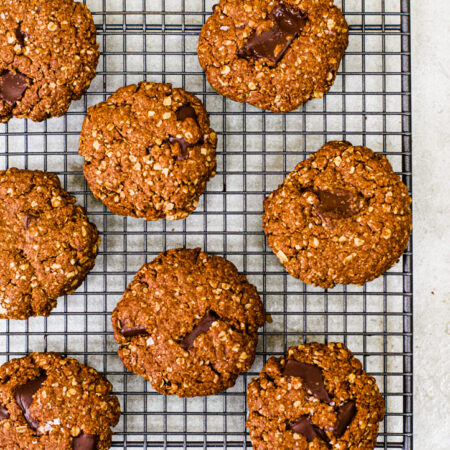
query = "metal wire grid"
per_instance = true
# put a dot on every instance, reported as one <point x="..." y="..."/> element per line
<point x="369" y="104"/>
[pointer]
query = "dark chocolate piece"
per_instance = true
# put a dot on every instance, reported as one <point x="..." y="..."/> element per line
<point x="311" y="375"/>
<point x="20" y="36"/>
<point x="184" y="154"/>
<point x="183" y="112"/>
<point x="12" y="86"/>
<point x="345" y="415"/>
<point x="24" y="398"/>
<point x="304" y="426"/>
<point x="339" y="204"/>
<point x="186" y="111"/>
<point x="273" y="44"/>
<point x="4" y="413"/>
<point x="133" y="331"/>
<point x="28" y="220"/>
<point x="202" y="327"/>
<point x="85" y="441"/>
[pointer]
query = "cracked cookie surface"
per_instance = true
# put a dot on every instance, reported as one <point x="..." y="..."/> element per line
<point x="342" y="216"/>
<point x="188" y="323"/>
<point x="275" y="55"/>
<point x="47" y="244"/>
<point x="149" y="151"/>
<point x="316" y="397"/>
<point x="48" y="57"/>
<point x="51" y="402"/>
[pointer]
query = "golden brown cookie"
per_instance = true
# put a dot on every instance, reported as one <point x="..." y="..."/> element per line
<point x="48" y="57"/>
<point x="273" y="54"/>
<point x="342" y="216"/>
<point x="188" y="323"/>
<point x="149" y="151"/>
<point x="47" y="244"/>
<point x="316" y="397"/>
<point x="51" y="402"/>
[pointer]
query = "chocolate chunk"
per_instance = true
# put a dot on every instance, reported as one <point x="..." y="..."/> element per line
<point x="4" y="413"/>
<point x="183" y="112"/>
<point x="28" y="221"/>
<point x="20" y="36"/>
<point x="12" y="86"/>
<point x="184" y="154"/>
<point x="311" y="375"/>
<point x="85" y="441"/>
<point x="202" y="327"/>
<point x="24" y="398"/>
<point x="133" y="331"/>
<point x="273" y="44"/>
<point x="186" y="111"/>
<point x="346" y="413"/>
<point x="304" y="426"/>
<point x="339" y="204"/>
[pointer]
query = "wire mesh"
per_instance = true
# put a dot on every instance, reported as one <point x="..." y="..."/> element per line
<point x="369" y="104"/>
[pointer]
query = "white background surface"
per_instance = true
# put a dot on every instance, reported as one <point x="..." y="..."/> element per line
<point x="431" y="159"/>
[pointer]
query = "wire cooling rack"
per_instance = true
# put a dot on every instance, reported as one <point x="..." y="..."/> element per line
<point x="369" y="104"/>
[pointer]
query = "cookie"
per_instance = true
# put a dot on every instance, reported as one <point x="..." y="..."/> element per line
<point x="188" y="323"/>
<point x="51" y="402"/>
<point x="342" y="216"/>
<point x="149" y="151"/>
<point x="273" y="54"/>
<point x="48" y="57"/>
<point x="47" y="244"/>
<point x="316" y="397"/>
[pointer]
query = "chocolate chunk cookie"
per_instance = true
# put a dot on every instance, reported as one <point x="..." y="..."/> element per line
<point x="48" y="57"/>
<point x="188" y="323"/>
<point x="342" y="216"/>
<point x="51" y="402"/>
<point x="149" y="151"/>
<point x="47" y="244"/>
<point x="273" y="54"/>
<point x="317" y="397"/>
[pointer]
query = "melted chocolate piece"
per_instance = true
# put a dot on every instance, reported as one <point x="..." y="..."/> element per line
<point x="24" y="398"/>
<point x="29" y="220"/>
<point x="273" y="44"/>
<point x="20" y="36"/>
<point x="132" y="331"/>
<point x="4" y="413"/>
<point x="183" y="112"/>
<point x="311" y="375"/>
<point x="339" y="204"/>
<point x="304" y="426"/>
<point x="186" y="111"/>
<point x="85" y="441"/>
<point x="184" y="154"/>
<point x="345" y="415"/>
<point x="12" y="86"/>
<point x="202" y="327"/>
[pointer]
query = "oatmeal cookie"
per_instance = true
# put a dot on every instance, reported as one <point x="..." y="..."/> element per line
<point x="188" y="323"/>
<point x="149" y="151"/>
<point x="51" y="402"/>
<point x="342" y="216"/>
<point x="273" y="54"/>
<point x="316" y="397"/>
<point x="47" y="244"/>
<point x="48" y="57"/>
